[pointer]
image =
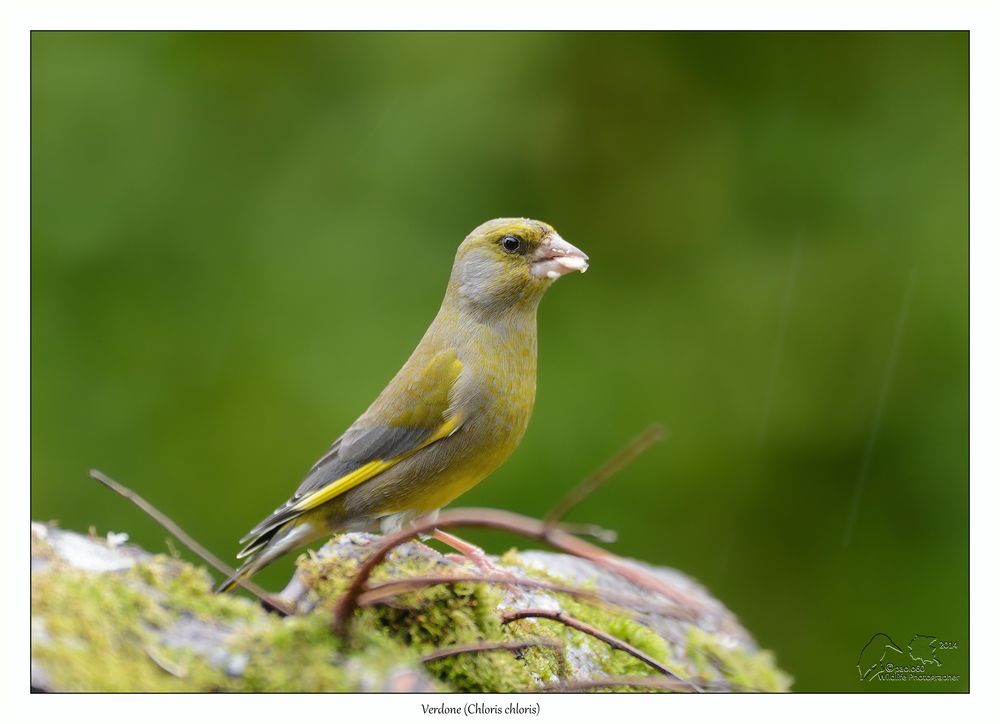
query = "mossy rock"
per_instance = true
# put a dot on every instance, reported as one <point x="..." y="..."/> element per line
<point x="107" y="616"/>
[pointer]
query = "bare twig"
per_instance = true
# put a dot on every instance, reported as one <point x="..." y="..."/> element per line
<point x="590" y="530"/>
<point x="174" y="670"/>
<point x="612" y="641"/>
<point x="390" y="589"/>
<point x="488" y="646"/>
<point x="179" y="533"/>
<point x="647" y="438"/>
<point x="506" y="521"/>
<point x="642" y="682"/>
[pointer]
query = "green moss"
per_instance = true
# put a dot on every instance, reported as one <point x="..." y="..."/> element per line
<point x="449" y="615"/>
<point x="754" y="671"/>
<point x="102" y="632"/>
<point x="608" y="618"/>
<point x="511" y="558"/>
<point x="189" y="589"/>
<point x="108" y="630"/>
<point x="295" y="654"/>
<point x="547" y="664"/>
<point x="618" y="623"/>
<point x="41" y="549"/>
<point x="326" y="578"/>
<point x="437" y="617"/>
<point x="96" y="633"/>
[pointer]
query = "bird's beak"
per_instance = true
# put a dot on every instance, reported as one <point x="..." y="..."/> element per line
<point x="555" y="256"/>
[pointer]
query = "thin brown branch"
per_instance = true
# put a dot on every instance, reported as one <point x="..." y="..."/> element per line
<point x="179" y="533"/>
<point x="390" y="589"/>
<point x="512" y="523"/>
<point x="642" y="682"/>
<point x="174" y="670"/>
<point x="488" y="646"/>
<point x="642" y="442"/>
<point x="612" y="641"/>
<point x="590" y="530"/>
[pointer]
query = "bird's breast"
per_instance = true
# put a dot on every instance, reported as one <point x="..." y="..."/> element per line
<point x="497" y="386"/>
<point x="494" y="396"/>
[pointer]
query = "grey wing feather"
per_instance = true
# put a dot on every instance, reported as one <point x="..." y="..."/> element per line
<point x="357" y="446"/>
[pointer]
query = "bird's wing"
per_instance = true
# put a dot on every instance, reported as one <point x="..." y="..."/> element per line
<point x="413" y="412"/>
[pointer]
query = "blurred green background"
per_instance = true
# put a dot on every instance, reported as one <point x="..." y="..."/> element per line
<point x="237" y="239"/>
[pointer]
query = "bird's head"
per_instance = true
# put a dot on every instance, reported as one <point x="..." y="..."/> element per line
<point x="506" y="263"/>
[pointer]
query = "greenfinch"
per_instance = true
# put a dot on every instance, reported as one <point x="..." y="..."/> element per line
<point x="451" y="416"/>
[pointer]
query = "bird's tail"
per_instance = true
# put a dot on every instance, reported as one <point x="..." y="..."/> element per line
<point x="234" y="580"/>
<point x="262" y="552"/>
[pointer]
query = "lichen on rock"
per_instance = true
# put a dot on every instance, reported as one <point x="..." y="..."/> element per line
<point x="112" y="617"/>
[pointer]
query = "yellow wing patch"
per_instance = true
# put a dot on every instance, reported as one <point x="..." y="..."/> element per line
<point x="343" y="484"/>
<point x="424" y="401"/>
<point x="370" y="470"/>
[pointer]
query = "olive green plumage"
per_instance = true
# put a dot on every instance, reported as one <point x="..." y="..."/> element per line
<point x="452" y="415"/>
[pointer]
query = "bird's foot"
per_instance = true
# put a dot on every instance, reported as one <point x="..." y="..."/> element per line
<point x="471" y="553"/>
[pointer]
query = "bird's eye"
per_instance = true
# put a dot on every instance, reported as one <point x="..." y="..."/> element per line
<point x="511" y="243"/>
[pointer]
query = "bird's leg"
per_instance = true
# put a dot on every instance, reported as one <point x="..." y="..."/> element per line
<point x="472" y="552"/>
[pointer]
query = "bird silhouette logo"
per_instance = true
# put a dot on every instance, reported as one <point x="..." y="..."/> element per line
<point x="871" y="660"/>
